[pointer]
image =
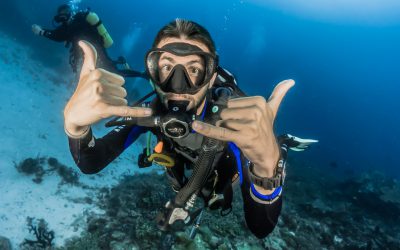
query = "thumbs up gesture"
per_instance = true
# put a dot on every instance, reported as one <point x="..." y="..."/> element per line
<point x="100" y="94"/>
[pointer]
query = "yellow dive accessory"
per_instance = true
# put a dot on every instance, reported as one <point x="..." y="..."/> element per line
<point x="94" y="20"/>
<point x="158" y="157"/>
<point x="161" y="159"/>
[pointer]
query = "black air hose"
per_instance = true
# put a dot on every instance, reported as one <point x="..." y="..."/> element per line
<point x="201" y="171"/>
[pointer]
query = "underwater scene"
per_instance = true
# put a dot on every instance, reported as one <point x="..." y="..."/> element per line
<point x="183" y="124"/>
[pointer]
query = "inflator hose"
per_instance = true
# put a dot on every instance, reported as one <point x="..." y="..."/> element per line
<point x="201" y="171"/>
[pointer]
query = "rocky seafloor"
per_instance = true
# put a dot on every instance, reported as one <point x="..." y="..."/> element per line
<point x="320" y="212"/>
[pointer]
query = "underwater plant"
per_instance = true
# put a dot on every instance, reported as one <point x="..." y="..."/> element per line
<point x="37" y="166"/>
<point x="32" y="166"/>
<point x="44" y="236"/>
<point x="67" y="175"/>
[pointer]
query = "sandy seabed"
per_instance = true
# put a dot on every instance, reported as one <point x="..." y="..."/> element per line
<point x="32" y="98"/>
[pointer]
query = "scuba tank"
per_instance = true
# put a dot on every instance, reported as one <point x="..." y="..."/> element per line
<point x="94" y="20"/>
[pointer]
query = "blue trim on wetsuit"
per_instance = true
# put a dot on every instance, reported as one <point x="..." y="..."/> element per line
<point x="266" y="197"/>
<point x="203" y="113"/>
<point x="133" y="135"/>
<point x="236" y="151"/>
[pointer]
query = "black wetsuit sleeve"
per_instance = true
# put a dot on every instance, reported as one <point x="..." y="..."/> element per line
<point x="261" y="215"/>
<point x="261" y="211"/>
<point x="59" y="34"/>
<point x="92" y="155"/>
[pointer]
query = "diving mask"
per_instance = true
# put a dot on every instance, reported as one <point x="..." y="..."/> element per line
<point x="64" y="13"/>
<point x="180" y="68"/>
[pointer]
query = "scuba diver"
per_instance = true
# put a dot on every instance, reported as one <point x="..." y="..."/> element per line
<point x="210" y="135"/>
<point x="85" y="25"/>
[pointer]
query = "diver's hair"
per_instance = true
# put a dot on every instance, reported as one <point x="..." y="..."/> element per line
<point x="181" y="28"/>
<point x="63" y="8"/>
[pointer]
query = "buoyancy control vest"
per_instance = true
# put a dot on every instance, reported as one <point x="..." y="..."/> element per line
<point x="202" y="157"/>
<point x="207" y="181"/>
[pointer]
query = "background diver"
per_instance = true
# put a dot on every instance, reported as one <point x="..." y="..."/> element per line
<point x="85" y="25"/>
<point x="202" y="122"/>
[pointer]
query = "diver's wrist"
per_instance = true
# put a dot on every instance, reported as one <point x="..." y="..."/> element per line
<point x="265" y="182"/>
<point x="267" y="167"/>
<point x="76" y="132"/>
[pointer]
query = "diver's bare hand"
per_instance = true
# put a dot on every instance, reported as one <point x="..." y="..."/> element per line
<point x="248" y="122"/>
<point x="99" y="94"/>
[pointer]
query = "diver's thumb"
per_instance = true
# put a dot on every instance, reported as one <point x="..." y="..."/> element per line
<point x="278" y="94"/>
<point x="89" y="58"/>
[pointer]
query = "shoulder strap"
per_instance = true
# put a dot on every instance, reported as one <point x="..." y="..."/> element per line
<point x="224" y="76"/>
<point x="225" y="79"/>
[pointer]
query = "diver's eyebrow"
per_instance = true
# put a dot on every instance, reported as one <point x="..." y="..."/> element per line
<point x="167" y="58"/>
<point x="194" y="61"/>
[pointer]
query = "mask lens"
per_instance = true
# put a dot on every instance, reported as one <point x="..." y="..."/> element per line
<point x="192" y="64"/>
<point x="61" y="18"/>
<point x="152" y="59"/>
<point x="198" y="66"/>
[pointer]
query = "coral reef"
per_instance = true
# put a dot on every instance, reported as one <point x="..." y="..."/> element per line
<point x="32" y="166"/>
<point x="320" y="212"/>
<point x="67" y="175"/>
<point x="41" y="166"/>
<point x="5" y="243"/>
<point x="43" y="236"/>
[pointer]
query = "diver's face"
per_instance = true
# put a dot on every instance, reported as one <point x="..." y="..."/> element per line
<point x="194" y="65"/>
<point x="64" y="16"/>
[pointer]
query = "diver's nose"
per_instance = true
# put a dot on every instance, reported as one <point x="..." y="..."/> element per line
<point x="179" y="83"/>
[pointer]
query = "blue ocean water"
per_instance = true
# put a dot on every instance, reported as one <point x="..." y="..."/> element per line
<point x="343" y="55"/>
